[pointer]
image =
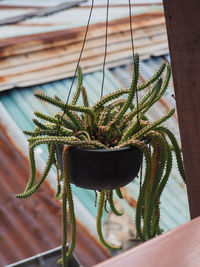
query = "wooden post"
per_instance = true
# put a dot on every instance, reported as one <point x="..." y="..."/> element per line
<point x="183" y="28"/>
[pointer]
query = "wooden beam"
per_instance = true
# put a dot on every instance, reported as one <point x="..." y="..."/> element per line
<point x="178" y="247"/>
<point x="183" y="27"/>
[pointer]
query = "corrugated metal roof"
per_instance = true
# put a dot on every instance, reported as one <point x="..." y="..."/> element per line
<point x="31" y="226"/>
<point x="34" y="3"/>
<point x="122" y="2"/>
<point x="69" y="18"/>
<point x="39" y="58"/>
<point x="14" y="16"/>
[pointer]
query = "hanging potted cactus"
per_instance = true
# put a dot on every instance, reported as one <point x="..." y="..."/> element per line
<point x="101" y="147"/>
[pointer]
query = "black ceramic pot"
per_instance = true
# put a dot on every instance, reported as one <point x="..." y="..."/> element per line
<point x="100" y="169"/>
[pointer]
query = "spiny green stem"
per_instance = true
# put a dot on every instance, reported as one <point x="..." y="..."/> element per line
<point x="165" y="84"/>
<point x="158" y="175"/>
<point x="29" y="189"/>
<point x="85" y="97"/>
<point x="57" y="195"/>
<point x="59" y="104"/>
<point x="99" y="105"/>
<point x="65" y="122"/>
<point x="73" y="141"/>
<point x="154" y="78"/>
<point x="176" y="149"/>
<point x="119" y="193"/>
<point x="131" y="95"/>
<point x="98" y="221"/>
<point x="79" y="84"/>
<point x="39" y="124"/>
<point x="167" y="172"/>
<point x="112" y="206"/>
<point x="68" y="191"/>
<point x="152" y="126"/>
<point x="86" y="104"/>
<point x="64" y="227"/>
<point x="118" y="93"/>
<point x="33" y="170"/>
<point x="85" y="110"/>
<point x="145" y="103"/>
<point x="68" y="107"/>
<point x="79" y="120"/>
<point x="141" y="198"/>
<point x="45" y="117"/>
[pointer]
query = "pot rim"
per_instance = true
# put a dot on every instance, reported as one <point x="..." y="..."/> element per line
<point x="103" y="150"/>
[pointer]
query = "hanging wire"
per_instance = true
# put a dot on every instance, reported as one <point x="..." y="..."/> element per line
<point x="132" y="43"/>
<point x="106" y="47"/>
<point x="78" y="62"/>
<point x="131" y="27"/>
<point x="83" y="46"/>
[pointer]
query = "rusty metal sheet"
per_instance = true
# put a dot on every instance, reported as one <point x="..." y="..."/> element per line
<point x="32" y="226"/>
<point x="40" y="58"/>
<point x="122" y="2"/>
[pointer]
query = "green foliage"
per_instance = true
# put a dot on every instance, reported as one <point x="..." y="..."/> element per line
<point x="115" y="121"/>
<point x="98" y="221"/>
<point x="67" y="196"/>
<point x="79" y="85"/>
<point x="112" y="206"/>
<point x="131" y="94"/>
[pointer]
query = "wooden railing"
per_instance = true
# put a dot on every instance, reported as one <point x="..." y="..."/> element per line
<point x="177" y="248"/>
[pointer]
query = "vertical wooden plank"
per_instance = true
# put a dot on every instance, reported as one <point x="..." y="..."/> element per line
<point x="183" y="27"/>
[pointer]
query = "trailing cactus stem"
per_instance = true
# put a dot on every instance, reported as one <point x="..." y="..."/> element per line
<point x="64" y="228"/>
<point x="68" y="192"/>
<point x="153" y="125"/>
<point x="30" y="189"/>
<point x="141" y="198"/>
<point x="131" y="95"/>
<point x="154" y="185"/>
<point x="146" y="102"/>
<point x="119" y="193"/>
<point x="112" y="206"/>
<point x="177" y="150"/>
<point x="79" y="85"/>
<point x="72" y="141"/>
<point x="100" y="104"/>
<point x="154" y="78"/>
<point x="33" y="170"/>
<point x="98" y="222"/>
<point x="46" y="117"/>
<point x="59" y="104"/>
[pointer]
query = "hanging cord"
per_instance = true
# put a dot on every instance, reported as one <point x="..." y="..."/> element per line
<point x="83" y="46"/>
<point x="131" y="30"/>
<point x="106" y="47"/>
<point x="79" y="59"/>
